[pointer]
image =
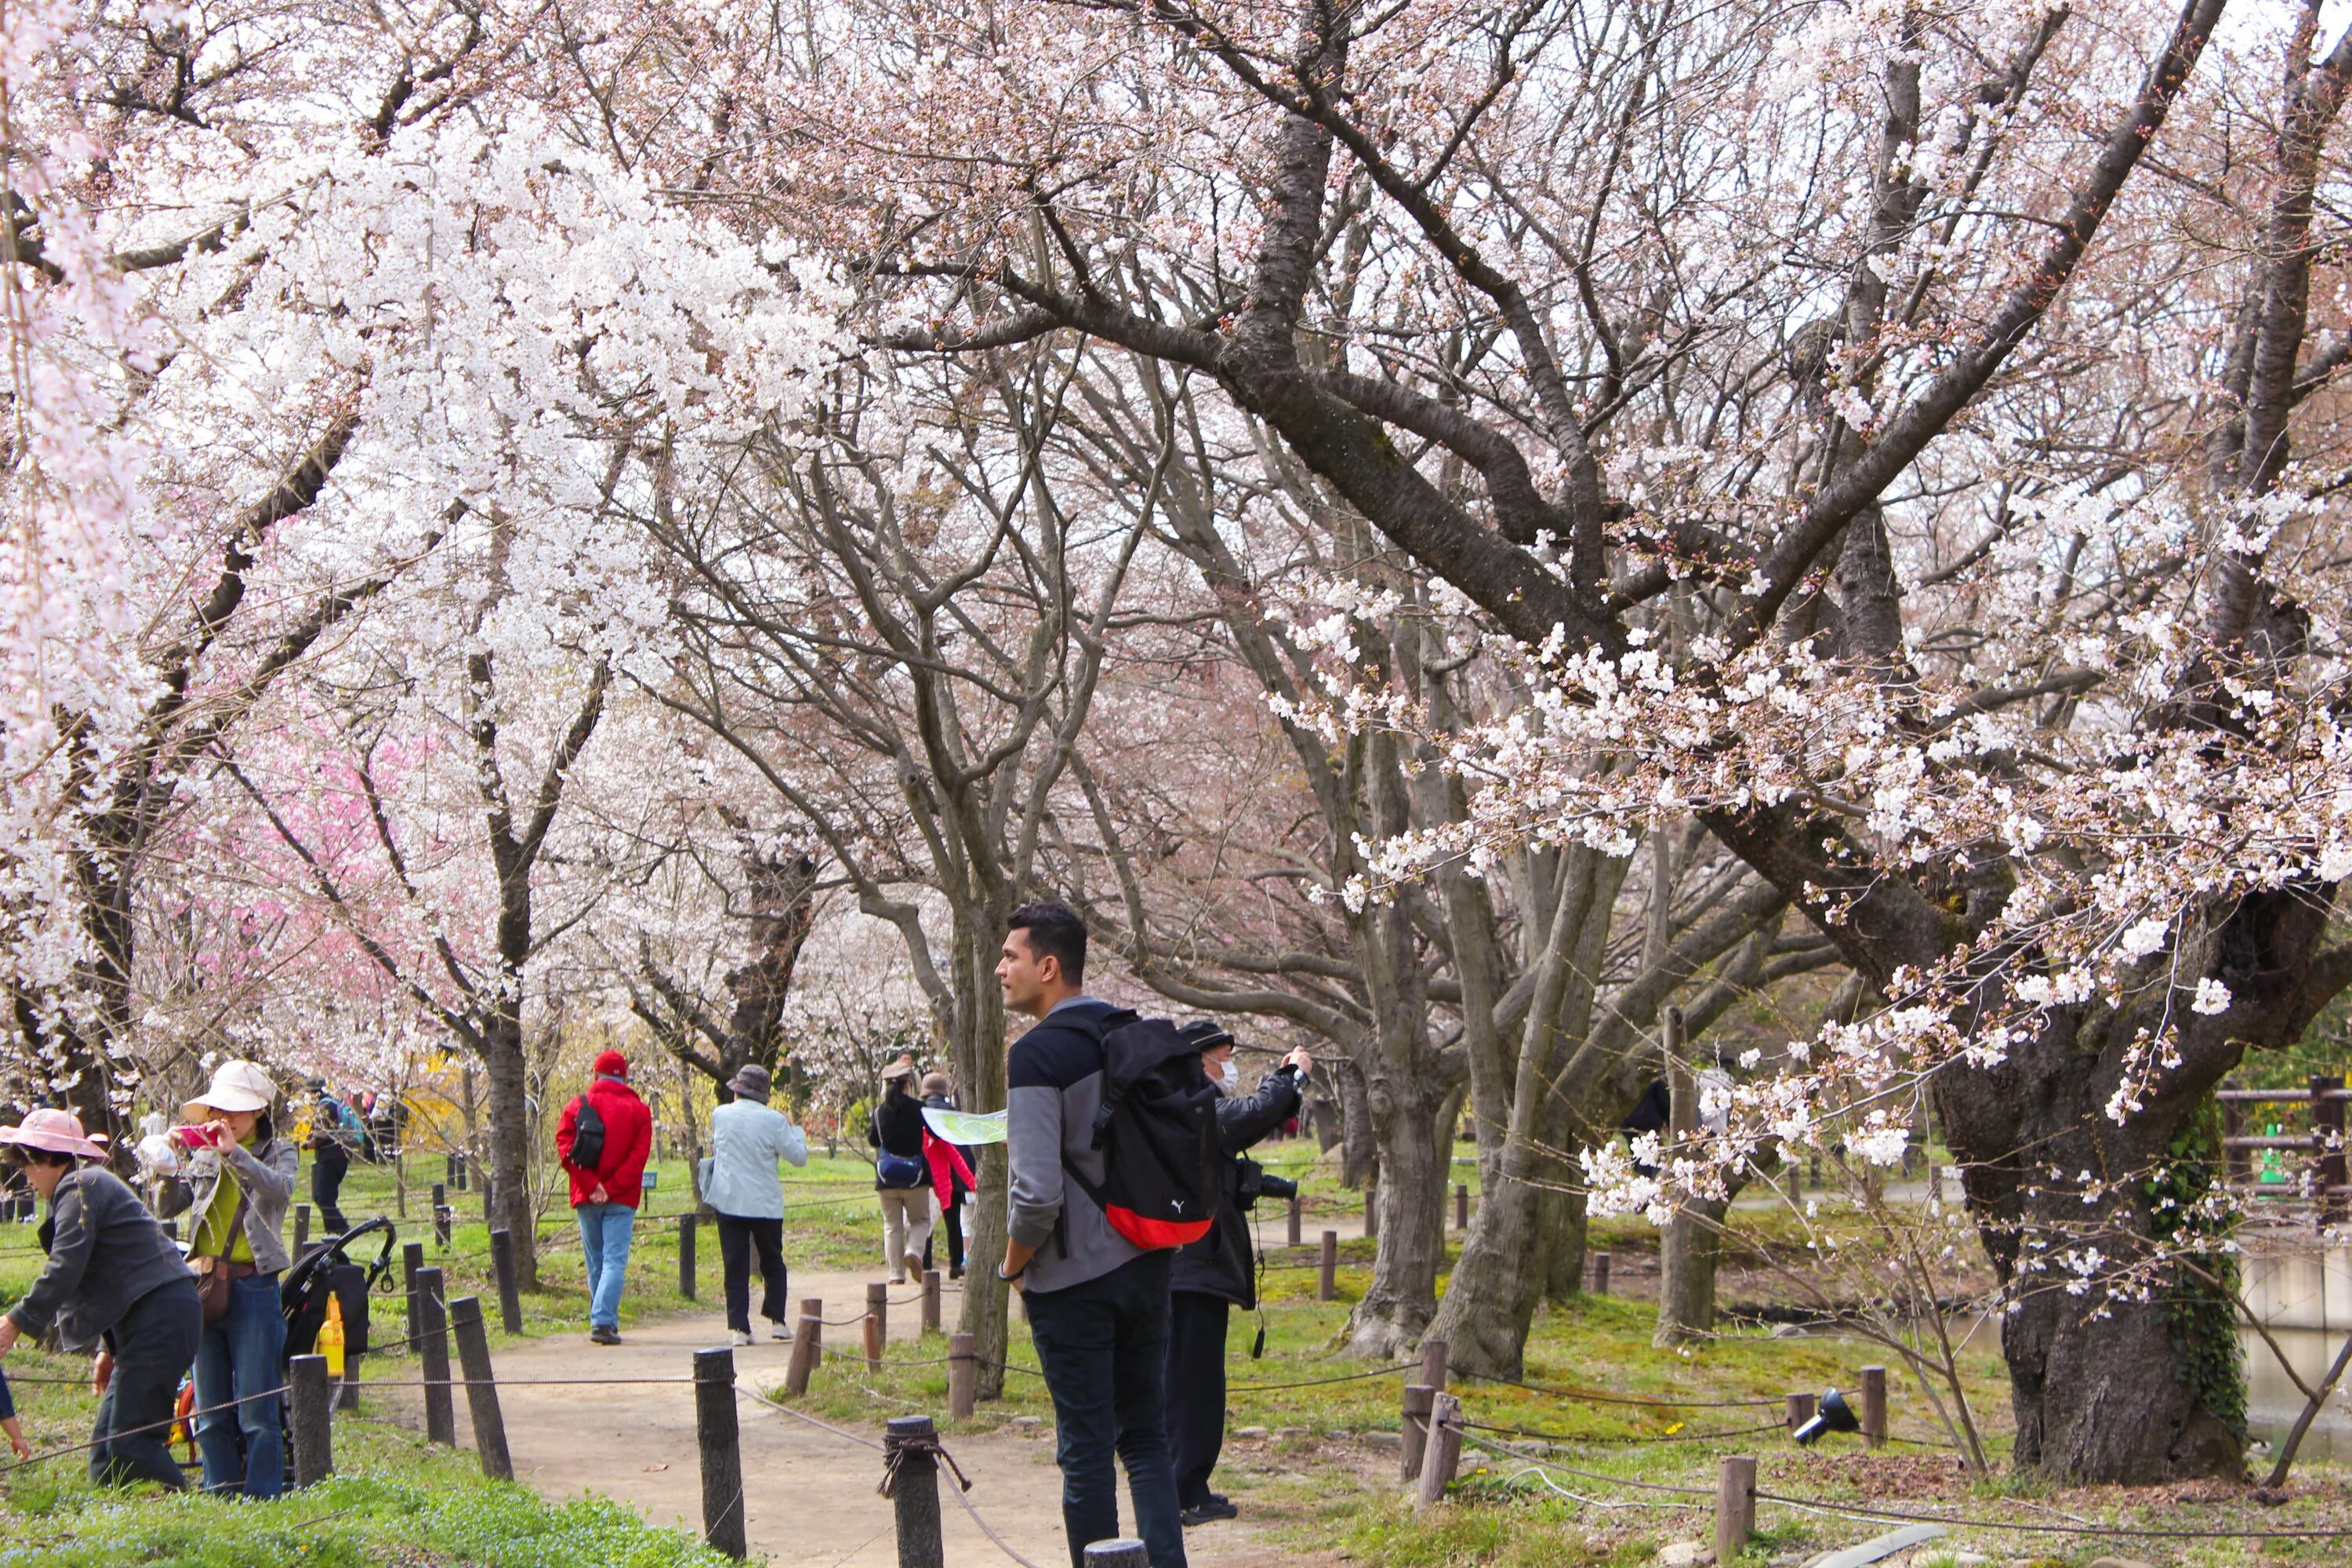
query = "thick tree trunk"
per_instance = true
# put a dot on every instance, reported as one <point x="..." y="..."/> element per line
<point x="1563" y="1220"/>
<point x="1505" y="1264"/>
<point x="1403" y="1297"/>
<point x="510" y="1141"/>
<point x="1688" y="1249"/>
<point x="976" y="1031"/>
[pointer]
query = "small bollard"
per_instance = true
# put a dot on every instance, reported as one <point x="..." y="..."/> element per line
<point x="1418" y="1399"/>
<point x="502" y="1264"/>
<point x="1432" y="1364"/>
<point x="878" y="1323"/>
<point x="1601" y="1274"/>
<point x="1443" y="1455"/>
<point x="313" y="1427"/>
<point x="1371" y="1211"/>
<point x="1735" y="1507"/>
<point x="716" y="1435"/>
<point x="481" y="1387"/>
<point x="1461" y="1206"/>
<point x="911" y="1481"/>
<point x="686" y="1225"/>
<point x="808" y="1344"/>
<point x="1117" y="1554"/>
<point x="412" y="1259"/>
<point x="433" y="1345"/>
<point x="963" y="1376"/>
<point x="1801" y="1409"/>
<point x="301" y="1227"/>
<point x="347" y="1392"/>
<point x="1295" y="1210"/>
<point x="1327" y="1288"/>
<point x="930" y="1301"/>
<point x="441" y="1215"/>
<point x="1874" y="1405"/>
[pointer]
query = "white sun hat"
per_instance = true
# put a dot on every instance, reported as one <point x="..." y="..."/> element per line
<point x="236" y="1086"/>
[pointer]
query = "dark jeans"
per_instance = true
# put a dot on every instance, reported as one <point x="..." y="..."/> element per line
<point x="1103" y="1347"/>
<point x="953" y="1222"/>
<point x="243" y="1448"/>
<point x="153" y="1343"/>
<point x="738" y="1238"/>
<point x="328" y="1165"/>
<point x="1196" y="1391"/>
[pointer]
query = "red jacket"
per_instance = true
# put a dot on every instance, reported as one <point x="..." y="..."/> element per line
<point x="947" y="1162"/>
<point x="628" y="1142"/>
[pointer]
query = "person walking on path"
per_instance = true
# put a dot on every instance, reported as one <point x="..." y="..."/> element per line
<point x="1098" y="1303"/>
<point x="240" y="1177"/>
<point x="901" y="1182"/>
<point x="114" y="1279"/>
<point x="746" y="1138"/>
<point x="334" y="1132"/>
<point x="1217" y="1273"/>
<point x="604" y="1138"/>
<point x="952" y="1175"/>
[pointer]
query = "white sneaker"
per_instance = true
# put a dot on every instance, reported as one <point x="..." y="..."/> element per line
<point x="738" y="1336"/>
<point x="777" y="1330"/>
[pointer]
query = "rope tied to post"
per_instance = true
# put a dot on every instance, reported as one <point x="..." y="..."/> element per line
<point x="897" y="1448"/>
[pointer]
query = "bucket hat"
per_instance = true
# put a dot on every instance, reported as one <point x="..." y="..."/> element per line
<point x="57" y="1131"/>
<point x="236" y="1086"/>
<point x="753" y="1081"/>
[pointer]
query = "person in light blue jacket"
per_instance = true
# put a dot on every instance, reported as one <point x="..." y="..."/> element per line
<point x="740" y="1180"/>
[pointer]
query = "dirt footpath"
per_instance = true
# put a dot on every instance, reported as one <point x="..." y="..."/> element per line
<point x="809" y="1496"/>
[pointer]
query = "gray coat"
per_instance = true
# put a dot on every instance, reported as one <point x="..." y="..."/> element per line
<point x="106" y="1251"/>
<point x="266" y="1175"/>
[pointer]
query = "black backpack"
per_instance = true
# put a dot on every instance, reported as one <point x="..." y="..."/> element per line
<point x="587" y="1136"/>
<point x="1163" y="1171"/>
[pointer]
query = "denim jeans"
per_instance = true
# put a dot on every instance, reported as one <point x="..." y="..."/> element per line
<point x="605" y="1230"/>
<point x="153" y="1343"/>
<point x="243" y="1448"/>
<point x="1103" y="1346"/>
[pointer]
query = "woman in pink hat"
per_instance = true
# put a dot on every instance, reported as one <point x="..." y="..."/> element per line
<point x="115" y="1280"/>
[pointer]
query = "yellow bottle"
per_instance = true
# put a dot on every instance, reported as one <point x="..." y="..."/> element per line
<point x="331" y="1336"/>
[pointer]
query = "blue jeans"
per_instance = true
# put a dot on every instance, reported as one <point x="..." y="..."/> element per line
<point x="605" y="1230"/>
<point x="1103" y="1346"/>
<point x="245" y="1354"/>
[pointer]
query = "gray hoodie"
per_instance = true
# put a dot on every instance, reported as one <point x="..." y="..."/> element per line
<point x="1054" y="1079"/>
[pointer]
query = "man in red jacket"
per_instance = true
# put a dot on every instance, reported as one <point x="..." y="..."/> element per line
<point x="605" y="1188"/>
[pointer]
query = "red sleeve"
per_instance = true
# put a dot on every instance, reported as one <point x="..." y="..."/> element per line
<point x="635" y="1149"/>
<point x="563" y="1131"/>
<point x="963" y="1167"/>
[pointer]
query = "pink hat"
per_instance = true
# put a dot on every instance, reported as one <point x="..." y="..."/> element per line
<point x="58" y="1132"/>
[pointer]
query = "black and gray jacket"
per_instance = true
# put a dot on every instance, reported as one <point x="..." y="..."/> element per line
<point x="1054" y="1086"/>
<point x="1221" y="1263"/>
<point x="106" y="1252"/>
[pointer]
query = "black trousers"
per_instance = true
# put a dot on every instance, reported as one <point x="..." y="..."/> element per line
<point x="330" y="1163"/>
<point x="738" y="1239"/>
<point x="1196" y="1391"/>
<point x="154" y="1343"/>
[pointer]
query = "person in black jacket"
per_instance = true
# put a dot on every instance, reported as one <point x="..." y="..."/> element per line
<point x="1218" y="1273"/>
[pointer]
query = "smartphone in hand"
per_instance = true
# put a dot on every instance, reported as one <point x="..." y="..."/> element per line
<point x="193" y="1136"/>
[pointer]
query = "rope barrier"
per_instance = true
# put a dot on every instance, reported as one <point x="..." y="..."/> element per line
<point x="163" y="1425"/>
<point x="1860" y="1511"/>
<point x="1628" y="1437"/>
<point x="1590" y="1398"/>
<point x="801" y="1416"/>
<point x="1508" y="1451"/>
<point x="1323" y="1382"/>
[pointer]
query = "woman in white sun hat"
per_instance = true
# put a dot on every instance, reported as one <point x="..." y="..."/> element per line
<point x="240" y="1177"/>
<point x="113" y="1280"/>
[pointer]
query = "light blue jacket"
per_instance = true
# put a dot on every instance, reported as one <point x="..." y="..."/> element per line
<point x="747" y="1139"/>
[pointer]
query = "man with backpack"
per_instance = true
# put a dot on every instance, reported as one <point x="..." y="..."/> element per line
<point x="1111" y="1134"/>
<point x="604" y="1138"/>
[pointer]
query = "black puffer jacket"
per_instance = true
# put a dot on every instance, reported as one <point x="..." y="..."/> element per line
<point x="1221" y="1263"/>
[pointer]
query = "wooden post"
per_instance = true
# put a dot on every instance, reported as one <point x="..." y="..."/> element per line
<point x="1874" y="1405"/>
<point x="808" y="1340"/>
<point x="963" y="1377"/>
<point x="1419" y="1397"/>
<point x="2328" y="1137"/>
<point x="453" y="1172"/>
<point x="1371" y="1211"/>
<point x="686" y="1223"/>
<point x="412" y="1259"/>
<point x="1117" y="1554"/>
<point x="1735" y="1507"/>
<point x="2235" y="1168"/>
<point x="716" y="1436"/>
<point x="1432" y="1364"/>
<point x="1328" y="1290"/>
<point x="301" y="1227"/>
<point x="306" y="1391"/>
<point x="481" y="1387"/>
<point x="1461" y="1206"/>
<point x="441" y="1217"/>
<point x="1601" y="1274"/>
<point x="1801" y="1409"/>
<point x="347" y="1392"/>
<point x="930" y="1301"/>
<point x="877" y="1322"/>
<point x="1443" y="1454"/>
<point x="1294" y="1208"/>
<point x="502" y="1264"/>
<point x="433" y="1346"/>
<point x="909" y="1447"/>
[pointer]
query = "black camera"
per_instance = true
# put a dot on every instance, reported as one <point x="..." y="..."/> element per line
<point x="1256" y="1183"/>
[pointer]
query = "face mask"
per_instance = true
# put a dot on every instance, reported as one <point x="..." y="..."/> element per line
<point x="1231" y="1083"/>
